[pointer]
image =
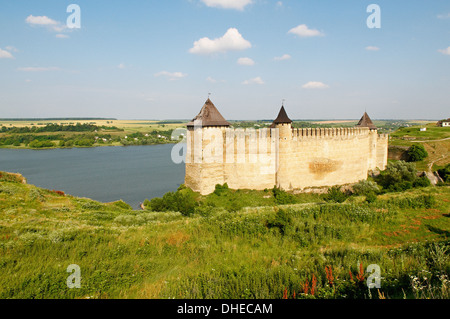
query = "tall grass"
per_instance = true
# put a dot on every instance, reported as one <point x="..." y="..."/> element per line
<point x="272" y="251"/>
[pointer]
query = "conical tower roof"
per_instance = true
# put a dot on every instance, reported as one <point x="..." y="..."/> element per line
<point x="209" y="116"/>
<point x="365" y="121"/>
<point x="282" y="118"/>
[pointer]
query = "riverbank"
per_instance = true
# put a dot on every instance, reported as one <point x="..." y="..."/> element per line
<point x="20" y="135"/>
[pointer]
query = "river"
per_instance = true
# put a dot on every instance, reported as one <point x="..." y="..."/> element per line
<point x="105" y="174"/>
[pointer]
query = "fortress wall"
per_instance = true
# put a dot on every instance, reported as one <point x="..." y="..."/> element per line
<point x="247" y="159"/>
<point x="382" y="151"/>
<point x="242" y="158"/>
<point x="326" y="157"/>
<point x="251" y="158"/>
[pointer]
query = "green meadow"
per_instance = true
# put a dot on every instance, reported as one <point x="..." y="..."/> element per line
<point x="270" y="245"/>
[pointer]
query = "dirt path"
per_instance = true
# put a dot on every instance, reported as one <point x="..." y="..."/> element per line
<point x="444" y="139"/>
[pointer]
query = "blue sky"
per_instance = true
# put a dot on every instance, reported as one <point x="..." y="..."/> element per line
<point x="160" y="59"/>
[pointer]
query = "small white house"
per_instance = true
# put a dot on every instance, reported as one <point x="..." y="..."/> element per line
<point x="423" y="129"/>
<point x="445" y="124"/>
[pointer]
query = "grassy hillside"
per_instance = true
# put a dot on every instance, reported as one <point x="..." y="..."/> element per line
<point x="436" y="141"/>
<point x="268" y="251"/>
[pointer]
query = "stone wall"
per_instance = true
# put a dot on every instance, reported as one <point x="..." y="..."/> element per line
<point x="286" y="157"/>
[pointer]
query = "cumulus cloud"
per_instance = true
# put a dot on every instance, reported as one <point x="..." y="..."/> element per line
<point x="445" y="51"/>
<point x="171" y="75"/>
<point x="246" y="61"/>
<point x="282" y="58"/>
<point x="121" y="66"/>
<point x="228" y="4"/>
<point x="5" y="54"/>
<point x="304" y="32"/>
<point x="44" y="21"/>
<point x="256" y="80"/>
<point x="232" y="40"/>
<point x="315" y="85"/>
<point x="372" y="48"/>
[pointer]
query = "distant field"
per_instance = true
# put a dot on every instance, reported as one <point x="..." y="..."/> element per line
<point x="132" y="125"/>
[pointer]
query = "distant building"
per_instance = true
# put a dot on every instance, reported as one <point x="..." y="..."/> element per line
<point x="423" y="129"/>
<point x="444" y="123"/>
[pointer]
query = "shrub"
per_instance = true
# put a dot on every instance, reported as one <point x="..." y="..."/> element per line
<point x="366" y="187"/>
<point x="444" y="173"/>
<point x="422" y="182"/>
<point x="282" y="197"/>
<point x="371" y="197"/>
<point x="281" y="221"/>
<point x="398" y="176"/>
<point x="417" y="153"/>
<point x="182" y="201"/>
<point x="335" y="194"/>
<point x="221" y="189"/>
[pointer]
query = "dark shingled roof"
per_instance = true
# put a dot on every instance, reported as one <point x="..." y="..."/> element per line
<point x="365" y="121"/>
<point x="209" y="116"/>
<point x="282" y="118"/>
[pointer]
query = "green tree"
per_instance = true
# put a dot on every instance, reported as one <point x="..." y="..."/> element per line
<point x="417" y="153"/>
<point x="397" y="176"/>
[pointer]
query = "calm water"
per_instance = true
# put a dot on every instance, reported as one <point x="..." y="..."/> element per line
<point x="105" y="174"/>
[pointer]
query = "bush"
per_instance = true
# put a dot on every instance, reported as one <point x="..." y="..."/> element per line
<point x="281" y="221"/>
<point x="282" y="197"/>
<point x="41" y="144"/>
<point x="182" y="201"/>
<point x="366" y="187"/>
<point x="417" y="153"/>
<point x="398" y="176"/>
<point x="444" y="173"/>
<point x="335" y="194"/>
<point x="371" y="197"/>
<point x="221" y="189"/>
<point x="422" y="182"/>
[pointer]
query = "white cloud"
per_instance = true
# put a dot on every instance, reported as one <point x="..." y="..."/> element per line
<point x="5" y="54"/>
<point x="245" y="61"/>
<point x="232" y="40"/>
<point x="38" y="69"/>
<point x="10" y="48"/>
<point x="282" y="58"/>
<point x="171" y="75"/>
<point x="372" y="48"/>
<point x="62" y="36"/>
<point x="211" y="80"/>
<point x="315" y="85"/>
<point x="121" y="66"/>
<point x="228" y="4"/>
<point x="304" y="32"/>
<point x="445" y="51"/>
<point x="444" y="16"/>
<point x="256" y="80"/>
<point x="40" y="20"/>
<point x="279" y="4"/>
<point x="45" y="21"/>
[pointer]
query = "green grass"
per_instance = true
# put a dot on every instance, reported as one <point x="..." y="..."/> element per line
<point x="262" y="251"/>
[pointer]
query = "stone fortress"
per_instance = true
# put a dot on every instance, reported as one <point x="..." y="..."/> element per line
<point x="282" y="156"/>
